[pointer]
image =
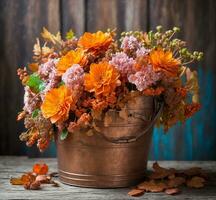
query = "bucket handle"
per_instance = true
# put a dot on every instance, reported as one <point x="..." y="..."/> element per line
<point x="158" y="109"/>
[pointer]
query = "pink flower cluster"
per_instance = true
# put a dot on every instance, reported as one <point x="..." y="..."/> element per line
<point x="142" y="52"/>
<point x="74" y="77"/>
<point x="47" y="68"/>
<point x="123" y="63"/>
<point x="130" y="43"/>
<point x="30" y="100"/>
<point x="48" y="74"/>
<point x="144" y="78"/>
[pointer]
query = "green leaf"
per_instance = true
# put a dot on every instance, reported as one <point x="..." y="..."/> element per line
<point x="35" y="113"/>
<point x="64" y="134"/>
<point x="35" y="83"/>
<point x="61" y="83"/>
<point x="69" y="34"/>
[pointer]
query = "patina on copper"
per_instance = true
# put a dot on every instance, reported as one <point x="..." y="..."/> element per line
<point x="115" y="157"/>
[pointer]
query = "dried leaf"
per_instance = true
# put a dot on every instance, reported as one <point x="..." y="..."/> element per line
<point x="40" y="169"/>
<point x="175" y="182"/>
<point x="160" y="172"/>
<point x="55" y="39"/>
<point x="192" y="84"/>
<point x="152" y="186"/>
<point x="193" y="171"/>
<point x="33" y="67"/>
<point x="21" y="115"/>
<point x="123" y="113"/>
<point x="196" y="182"/>
<point x="136" y="192"/>
<point x="107" y="119"/>
<point x="24" y="179"/>
<point x="37" y="48"/>
<point x="32" y="185"/>
<point x="16" y="181"/>
<point x="43" y="179"/>
<point x="172" y="191"/>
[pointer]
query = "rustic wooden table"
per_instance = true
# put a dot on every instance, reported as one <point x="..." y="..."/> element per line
<point x="15" y="166"/>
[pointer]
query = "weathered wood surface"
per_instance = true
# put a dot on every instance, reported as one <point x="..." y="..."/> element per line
<point x="15" y="166"/>
<point x="21" y="21"/>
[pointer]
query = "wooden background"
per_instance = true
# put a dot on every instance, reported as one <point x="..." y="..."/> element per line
<point x="21" y="21"/>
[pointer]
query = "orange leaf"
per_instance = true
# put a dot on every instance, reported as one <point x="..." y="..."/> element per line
<point x="172" y="191"/>
<point x="175" y="182"/>
<point x="136" y="192"/>
<point x="40" y="169"/>
<point x="196" y="182"/>
<point x="16" y="181"/>
<point x="152" y="186"/>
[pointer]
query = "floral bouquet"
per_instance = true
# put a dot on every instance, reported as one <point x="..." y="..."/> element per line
<point x="75" y="81"/>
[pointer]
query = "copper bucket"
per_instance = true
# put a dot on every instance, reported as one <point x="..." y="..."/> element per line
<point x="116" y="157"/>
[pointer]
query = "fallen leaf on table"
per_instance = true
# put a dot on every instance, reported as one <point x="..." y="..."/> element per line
<point x="196" y="182"/>
<point x="16" y="181"/>
<point x="32" y="185"/>
<point x="193" y="171"/>
<point x="40" y="169"/>
<point x="175" y="182"/>
<point x="33" y="180"/>
<point x="43" y="178"/>
<point x="172" y="191"/>
<point x="152" y="186"/>
<point x="25" y="178"/>
<point x="160" y="172"/>
<point x="136" y="192"/>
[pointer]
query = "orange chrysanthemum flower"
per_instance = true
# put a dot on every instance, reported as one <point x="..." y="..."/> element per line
<point x="102" y="79"/>
<point x="163" y="61"/>
<point x="72" y="57"/>
<point x="57" y="104"/>
<point x="95" y="41"/>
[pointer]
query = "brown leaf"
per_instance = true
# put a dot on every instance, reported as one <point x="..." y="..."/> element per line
<point x="193" y="171"/>
<point x="160" y="172"/>
<point x="32" y="186"/>
<point x="136" y="192"/>
<point x="21" y="115"/>
<point x="43" y="179"/>
<point x="172" y="191"/>
<point x="152" y="186"/>
<point x="33" y="67"/>
<point x="172" y="176"/>
<point x="175" y="182"/>
<point x="16" y="181"/>
<point x="25" y="178"/>
<point x="159" y="175"/>
<point x="196" y="182"/>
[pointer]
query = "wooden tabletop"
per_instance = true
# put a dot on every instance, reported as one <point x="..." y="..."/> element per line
<point x="15" y="166"/>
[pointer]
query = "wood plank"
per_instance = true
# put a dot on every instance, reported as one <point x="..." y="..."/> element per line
<point x="21" y="22"/>
<point x="73" y="16"/>
<point x="120" y="14"/>
<point x="13" y="166"/>
<point x="196" y="138"/>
